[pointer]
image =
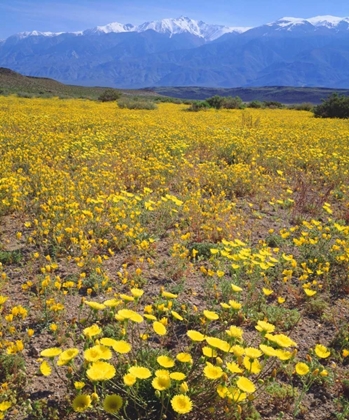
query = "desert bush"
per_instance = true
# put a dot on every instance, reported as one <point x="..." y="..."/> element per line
<point x="305" y="106"/>
<point x="273" y="105"/>
<point x="198" y="106"/>
<point x="255" y="104"/>
<point x="233" y="103"/>
<point x="336" y="106"/>
<point x="135" y="103"/>
<point x="109" y="95"/>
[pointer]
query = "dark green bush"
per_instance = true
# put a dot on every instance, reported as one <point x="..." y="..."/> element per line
<point x="305" y="106"/>
<point x="136" y="103"/>
<point x="273" y="104"/>
<point x="255" y="104"/>
<point x="334" y="107"/>
<point x="215" y="101"/>
<point x="109" y="95"/>
<point x="233" y="103"/>
<point x="198" y="106"/>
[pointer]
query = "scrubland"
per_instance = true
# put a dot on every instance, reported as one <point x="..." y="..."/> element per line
<point x="167" y="264"/>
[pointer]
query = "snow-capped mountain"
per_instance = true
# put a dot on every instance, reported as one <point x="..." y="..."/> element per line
<point x="329" y="22"/>
<point x="184" y="52"/>
<point x="168" y="27"/>
<point x="172" y="27"/>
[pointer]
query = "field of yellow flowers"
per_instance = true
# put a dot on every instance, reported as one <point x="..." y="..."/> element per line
<point x="166" y="264"/>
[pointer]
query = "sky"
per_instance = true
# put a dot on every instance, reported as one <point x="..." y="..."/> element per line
<point x="76" y="15"/>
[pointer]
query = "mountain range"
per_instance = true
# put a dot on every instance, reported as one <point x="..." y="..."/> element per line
<point x="185" y="52"/>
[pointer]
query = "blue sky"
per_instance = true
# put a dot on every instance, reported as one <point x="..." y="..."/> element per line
<point x="74" y="15"/>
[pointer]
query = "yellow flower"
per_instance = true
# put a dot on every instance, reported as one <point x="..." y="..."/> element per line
<point x="218" y="343"/>
<point x="51" y="352"/>
<point x="177" y="316"/>
<point x="181" y="404"/>
<point x="112" y="403"/>
<point x="283" y="354"/>
<point x="209" y="351"/>
<point x="234" y="367"/>
<point x="195" y="335"/>
<point x="184" y="357"/>
<point x="66" y="356"/>
<point x="267" y="292"/>
<point x="235" y="332"/>
<point x="212" y="372"/>
<point x="345" y="353"/>
<point x="281" y="339"/>
<point x="95" y="305"/>
<point x="267" y="350"/>
<point x="309" y="292"/>
<point x="252" y="365"/>
<point x="137" y="293"/>
<point x="322" y="351"/>
<point x="140" y="372"/>
<point x="168" y="295"/>
<point x="252" y="353"/>
<point x="45" y="368"/>
<point x="235" y="305"/>
<point x="237" y="350"/>
<point x="161" y="382"/>
<point x="263" y="326"/>
<point x="129" y="314"/>
<point x="92" y="331"/>
<point x="5" y="405"/>
<point x="177" y="376"/>
<point x="184" y="387"/>
<point x="236" y="288"/>
<point x="159" y="328"/>
<point x="100" y="371"/>
<point x="212" y="316"/>
<point x="129" y="379"/>
<point x="244" y="384"/>
<point x="165" y="361"/>
<point x="81" y="403"/>
<point x="120" y="346"/>
<point x="79" y="385"/>
<point x="97" y="352"/>
<point x="302" y="368"/>
<point x="3" y="299"/>
<point x="111" y="303"/>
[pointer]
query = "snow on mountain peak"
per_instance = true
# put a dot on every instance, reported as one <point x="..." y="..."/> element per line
<point x="112" y="27"/>
<point x="317" y="21"/>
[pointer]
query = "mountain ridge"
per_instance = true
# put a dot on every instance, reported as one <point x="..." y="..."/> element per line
<point x="183" y="51"/>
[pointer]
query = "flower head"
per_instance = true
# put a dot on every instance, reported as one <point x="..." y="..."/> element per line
<point x="181" y="404"/>
<point x="165" y="361"/>
<point x="140" y="372"/>
<point x="212" y="372"/>
<point x="195" y="335"/>
<point x="81" y="403"/>
<point x="112" y="403"/>
<point x="302" y="368"/>
<point x="51" y="352"/>
<point x="322" y="351"/>
<point x="159" y="328"/>
<point x="100" y="371"/>
<point x="245" y="385"/>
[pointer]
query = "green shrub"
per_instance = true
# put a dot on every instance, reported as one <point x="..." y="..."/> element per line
<point x="198" y="106"/>
<point x="273" y="105"/>
<point x="255" y="104"/>
<point x="136" y="103"/>
<point x="233" y="103"/>
<point x="215" y="101"/>
<point x="305" y="106"/>
<point x="109" y="95"/>
<point x="334" y="107"/>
